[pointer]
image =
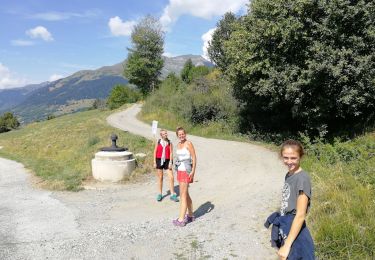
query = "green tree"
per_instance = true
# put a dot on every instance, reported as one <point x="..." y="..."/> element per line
<point x="8" y="122"/>
<point x="300" y="65"/>
<point x="144" y="62"/>
<point x="190" y="72"/>
<point x="199" y="71"/>
<point x="121" y="95"/>
<point x="186" y="71"/>
<point x="216" y="46"/>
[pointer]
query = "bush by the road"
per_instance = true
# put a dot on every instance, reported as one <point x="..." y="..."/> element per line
<point x="206" y="101"/>
<point x="8" y="122"/>
<point x="121" y="95"/>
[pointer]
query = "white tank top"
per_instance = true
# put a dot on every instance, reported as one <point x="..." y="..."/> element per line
<point x="182" y="154"/>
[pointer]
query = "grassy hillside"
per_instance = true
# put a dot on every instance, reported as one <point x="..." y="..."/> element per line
<point x="52" y="98"/>
<point x="59" y="151"/>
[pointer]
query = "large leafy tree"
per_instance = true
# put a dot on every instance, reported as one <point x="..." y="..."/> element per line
<point x="301" y="65"/>
<point x="144" y="62"/>
<point x="216" y="46"/>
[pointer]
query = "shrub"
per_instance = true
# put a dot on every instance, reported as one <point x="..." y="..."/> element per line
<point x="206" y="99"/>
<point x="99" y="104"/>
<point x="121" y="95"/>
<point x="8" y="122"/>
<point x="50" y="117"/>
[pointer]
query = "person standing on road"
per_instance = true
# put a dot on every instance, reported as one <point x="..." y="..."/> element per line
<point x="185" y="165"/>
<point x="163" y="159"/>
<point x="296" y="241"/>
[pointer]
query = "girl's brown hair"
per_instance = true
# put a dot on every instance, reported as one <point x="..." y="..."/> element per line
<point x="294" y="144"/>
<point x="180" y="128"/>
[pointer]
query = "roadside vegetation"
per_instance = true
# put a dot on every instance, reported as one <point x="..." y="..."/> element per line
<point x="8" y="122"/>
<point x="119" y="96"/>
<point x="205" y="106"/>
<point x="341" y="219"/>
<point x="59" y="150"/>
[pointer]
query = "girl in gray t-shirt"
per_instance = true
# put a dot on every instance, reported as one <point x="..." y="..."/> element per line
<point x="296" y="196"/>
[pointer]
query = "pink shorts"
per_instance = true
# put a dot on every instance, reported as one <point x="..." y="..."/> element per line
<point x="183" y="176"/>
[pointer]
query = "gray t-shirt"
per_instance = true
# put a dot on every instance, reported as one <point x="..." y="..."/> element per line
<point x="292" y="186"/>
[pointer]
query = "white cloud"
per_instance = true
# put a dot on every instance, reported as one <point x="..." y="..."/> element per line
<point x="120" y="28"/>
<point x="51" y="16"/>
<point x="8" y="80"/>
<point x="168" y="54"/>
<point x="22" y="43"/>
<point x="58" y="16"/>
<point x="206" y="38"/>
<point x="40" y="32"/>
<point x="204" y="9"/>
<point x="55" y="77"/>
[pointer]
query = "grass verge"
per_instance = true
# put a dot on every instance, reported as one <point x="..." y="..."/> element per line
<point x="218" y="130"/>
<point x="59" y="151"/>
<point x="341" y="218"/>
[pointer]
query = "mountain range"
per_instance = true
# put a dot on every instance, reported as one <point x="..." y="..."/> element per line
<point x="77" y="91"/>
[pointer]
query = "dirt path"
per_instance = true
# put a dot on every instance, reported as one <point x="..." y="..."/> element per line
<point x="236" y="186"/>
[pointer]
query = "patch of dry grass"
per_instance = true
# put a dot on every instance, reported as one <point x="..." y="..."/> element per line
<point x="59" y="151"/>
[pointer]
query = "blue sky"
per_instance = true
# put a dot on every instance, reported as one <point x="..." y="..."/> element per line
<point x="43" y="40"/>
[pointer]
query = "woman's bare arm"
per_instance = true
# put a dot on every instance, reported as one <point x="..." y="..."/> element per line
<point x="302" y="202"/>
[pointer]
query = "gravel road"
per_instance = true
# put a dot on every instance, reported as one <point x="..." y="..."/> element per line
<point x="236" y="186"/>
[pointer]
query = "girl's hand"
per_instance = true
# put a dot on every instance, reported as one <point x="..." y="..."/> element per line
<point x="155" y="165"/>
<point x="283" y="252"/>
<point x="191" y="177"/>
<point x="170" y="166"/>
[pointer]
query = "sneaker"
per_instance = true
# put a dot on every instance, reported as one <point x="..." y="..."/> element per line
<point x="174" y="198"/>
<point x="159" y="197"/>
<point x="178" y="223"/>
<point x="188" y="219"/>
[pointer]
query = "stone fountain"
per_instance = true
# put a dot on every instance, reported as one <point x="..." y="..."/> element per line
<point x="112" y="163"/>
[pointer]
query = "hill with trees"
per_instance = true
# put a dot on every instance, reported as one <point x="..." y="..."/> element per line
<point x="77" y="91"/>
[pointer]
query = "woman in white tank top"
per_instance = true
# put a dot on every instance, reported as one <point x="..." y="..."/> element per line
<point x="183" y="155"/>
<point x="185" y="165"/>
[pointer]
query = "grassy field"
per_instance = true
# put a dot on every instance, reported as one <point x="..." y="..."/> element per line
<point x="59" y="151"/>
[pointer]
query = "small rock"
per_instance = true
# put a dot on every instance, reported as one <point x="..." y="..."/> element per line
<point x="140" y="155"/>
